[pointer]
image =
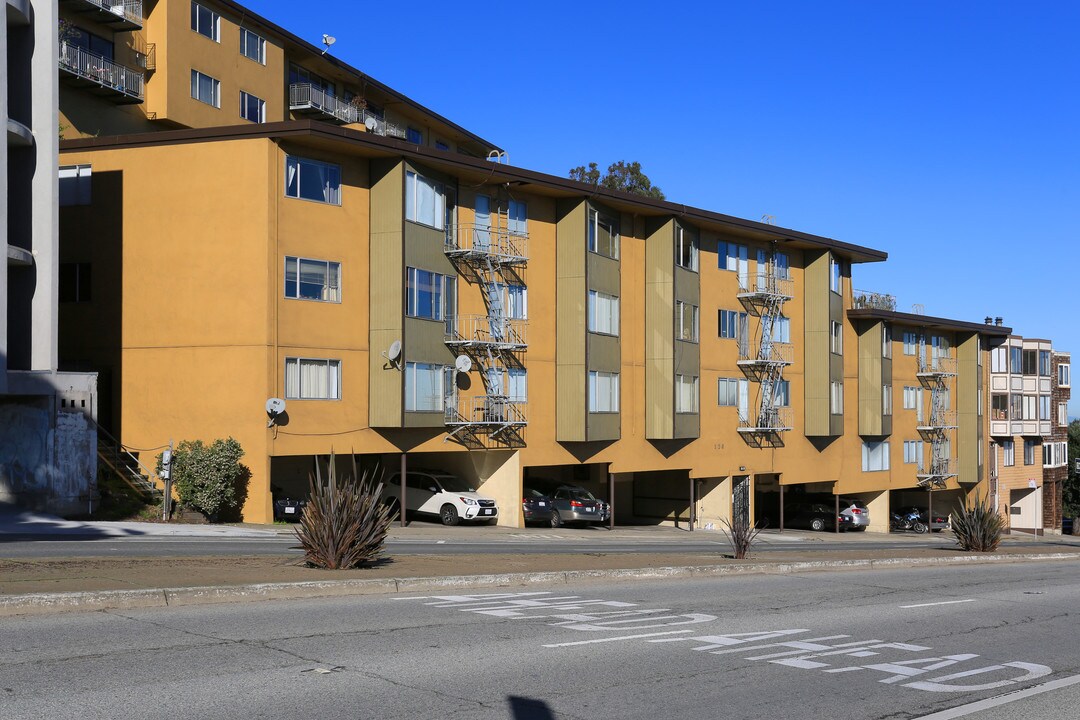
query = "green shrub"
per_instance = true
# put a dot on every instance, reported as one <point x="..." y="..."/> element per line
<point x="978" y="527"/>
<point x="345" y="522"/>
<point x="210" y="479"/>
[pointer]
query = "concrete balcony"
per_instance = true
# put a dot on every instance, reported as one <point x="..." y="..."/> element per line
<point x="118" y="83"/>
<point x="118" y="14"/>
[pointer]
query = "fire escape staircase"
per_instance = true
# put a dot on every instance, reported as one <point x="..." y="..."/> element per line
<point x="126" y="466"/>
<point x="935" y="374"/>
<point x="493" y="257"/>
<point x="763" y="362"/>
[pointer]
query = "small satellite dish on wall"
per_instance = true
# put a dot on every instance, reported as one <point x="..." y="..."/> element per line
<point x="274" y="408"/>
<point x="394" y="351"/>
<point x="463" y="363"/>
<point x="371" y="124"/>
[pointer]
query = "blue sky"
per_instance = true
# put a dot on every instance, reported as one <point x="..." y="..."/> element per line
<point x="945" y="133"/>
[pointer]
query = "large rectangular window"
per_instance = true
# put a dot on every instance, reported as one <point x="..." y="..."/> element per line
<point x="913" y="451"/>
<point x="836" y="272"/>
<point x="836" y="338"/>
<point x="1030" y="366"/>
<point x="1016" y="360"/>
<point x="731" y="323"/>
<point x="252" y="108"/>
<point x="603" y="392"/>
<point x="429" y="295"/>
<point x="252" y="46"/>
<point x="312" y="180"/>
<point x="1031" y="407"/>
<point x="686" y="394"/>
<point x="782" y="396"/>
<point x="518" y="218"/>
<point x="733" y="257"/>
<point x="911" y="342"/>
<point x="686" y="321"/>
<point x="781" y="331"/>
<point x="912" y="396"/>
<point x="886" y="399"/>
<point x="603" y="310"/>
<point x="427" y="202"/>
<point x="1029" y="452"/>
<point x="836" y="398"/>
<point x="875" y="456"/>
<point x="1044" y="363"/>
<point x="1063" y="414"/>
<point x="1016" y="406"/>
<point x="1008" y="453"/>
<point x="728" y="391"/>
<point x="205" y="21"/>
<point x="302" y="76"/>
<point x="312" y="379"/>
<point x="999" y="406"/>
<point x="603" y="234"/>
<point x="1044" y="407"/>
<point x="999" y="360"/>
<point x="205" y="89"/>
<point x="514" y="300"/>
<point x="517" y="385"/>
<point x="1064" y="375"/>
<point x="686" y="249"/>
<point x="424" y="385"/>
<point x="312" y="279"/>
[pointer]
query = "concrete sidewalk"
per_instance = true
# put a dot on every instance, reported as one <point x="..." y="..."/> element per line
<point x="23" y="523"/>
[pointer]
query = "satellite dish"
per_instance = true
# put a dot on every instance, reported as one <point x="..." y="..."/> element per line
<point x="275" y="406"/>
<point x="463" y="363"/>
<point x="394" y="352"/>
<point x="371" y="124"/>
<point x="327" y="41"/>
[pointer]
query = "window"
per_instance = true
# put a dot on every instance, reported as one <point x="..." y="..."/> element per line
<point x="1016" y="360"/>
<point x="782" y="266"/>
<point x="1055" y="454"/>
<point x="252" y="46"/>
<point x="303" y="76"/>
<point x="1063" y="372"/>
<point x="686" y="321"/>
<point x="836" y="338"/>
<point x="603" y="392"/>
<point x="782" y="330"/>
<point x="782" y="396"/>
<point x="886" y="399"/>
<point x="75" y="187"/>
<point x="427" y="202"/>
<point x="1044" y="407"/>
<point x="205" y="89"/>
<point x="603" y="310"/>
<point x="312" y="379"/>
<point x="518" y="220"/>
<point x="89" y="42"/>
<point x="1016" y="406"/>
<point x="514" y="299"/>
<point x="686" y="249"/>
<point x="911" y="342"/>
<point x="912" y="397"/>
<point x="424" y="384"/>
<point x="414" y="136"/>
<point x="999" y="406"/>
<point x="836" y="398"/>
<point x="1044" y="363"/>
<point x="999" y="360"/>
<point x="312" y="279"/>
<point x="74" y="282"/>
<point x="429" y="295"/>
<point x="205" y="22"/>
<point x="686" y="394"/>
<point x="886" y="340"/>
<point x="875" y="456"/>
<point x="729" y="391"/>
<point x="1029" y="452"/>
<point x="836" y="271"/>
<point x="312" y="180"/>
<point x="732" y="323"/>
<point x="517" y="385"/>
<point x="603" y="234"/>
<point x="252" y="108"/>
<point x="440" y="145"/>
<point x="1029" y="362"/>
<point x="1031" y="407"/>
<point x="1063" y="414"/>
<point x="1008" y="452"/>
<point x="913" y="452"/>
<point x="733" y="257"/>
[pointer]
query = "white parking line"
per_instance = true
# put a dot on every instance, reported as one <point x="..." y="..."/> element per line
<point x="980" y="705"/>
<point x="623" y="637"/>
<point x="943" y="602"/>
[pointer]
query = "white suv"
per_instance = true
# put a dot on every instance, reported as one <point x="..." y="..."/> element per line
<point x="433" y="492"/>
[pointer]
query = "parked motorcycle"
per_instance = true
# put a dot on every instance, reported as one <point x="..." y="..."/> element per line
<point x="908" y="521"/>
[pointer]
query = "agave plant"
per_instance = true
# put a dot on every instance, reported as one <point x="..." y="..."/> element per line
<point x="978" y="527"/>
<point x="344" y="524"/>
<point x="741" y="534"/>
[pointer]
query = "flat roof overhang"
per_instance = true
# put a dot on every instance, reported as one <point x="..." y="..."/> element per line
<point x="477" y="171"/>
<point x="928" y="321"/>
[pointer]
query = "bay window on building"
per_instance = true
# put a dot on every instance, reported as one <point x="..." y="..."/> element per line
<point x="603" y="313"/>
<point x="603" y="234"/>
<point x="686" y="249"/>
<point x="428" y="202"/>
<point x="836" y="398"/>
<point x="686" y="321"/>
<point x="424" y="386"/>
<point x="999" y="406"/>
<point x="429" y="295"/>
<point x="686" y="393"/>
<point x="603" y="392"/>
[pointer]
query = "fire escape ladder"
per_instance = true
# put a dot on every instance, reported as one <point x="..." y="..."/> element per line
<point x="764" y="362"/>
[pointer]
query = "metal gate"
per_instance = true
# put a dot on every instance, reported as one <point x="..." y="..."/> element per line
<point x="741" y="500"/>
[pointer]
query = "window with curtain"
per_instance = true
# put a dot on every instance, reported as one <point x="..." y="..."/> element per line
<point x="603" y="313"/>
<point x="427" y="202"/>
<point x="312" y="180"/>
<point x="603" y="392"/>
<point x="312" y="379"/>
<point x="252" y="46"/>
<point x="686" y="322"/>
<point x="307" y="279"/>
<point x="205" y="89"/>
<point x="603" y="234"/>
<point x="875" y="456"/>
<point x="686" y="394"/>
<point x="518" y="221"/>
<point x="205" y="21"/>
<point x="1008" y="453"/>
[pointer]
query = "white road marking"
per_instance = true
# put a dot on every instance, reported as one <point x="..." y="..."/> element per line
<point x="613" y="639"/>
<point x="943" y="602"/>
<point x="980" y="705"/>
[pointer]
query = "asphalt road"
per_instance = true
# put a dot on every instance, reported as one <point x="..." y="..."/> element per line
<point x="888" y="644"/>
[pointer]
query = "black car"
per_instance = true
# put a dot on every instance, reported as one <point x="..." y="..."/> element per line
<point x="289" y="510"/>
<point x="815" y="516"/>
<point x="1067" y="526"/>
<point x="536" y="505"/>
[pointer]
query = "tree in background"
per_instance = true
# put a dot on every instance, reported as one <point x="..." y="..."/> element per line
<point x="1071" y="489"/>
<point x="621" y="175"/>
<point x="210" y="479"/>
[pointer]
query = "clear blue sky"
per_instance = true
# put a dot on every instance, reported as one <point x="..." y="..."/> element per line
<point x="945" y="133"/>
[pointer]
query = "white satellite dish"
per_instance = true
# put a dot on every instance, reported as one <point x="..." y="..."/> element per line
<point x="394" y="352"/>
<point x="327" y="40"/>
<point x="371" y="124"/>
<point x="463" y="363"/>
<point x="274" y="407"/>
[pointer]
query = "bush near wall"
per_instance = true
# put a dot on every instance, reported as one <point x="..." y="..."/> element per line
<point x="210" y="478"/>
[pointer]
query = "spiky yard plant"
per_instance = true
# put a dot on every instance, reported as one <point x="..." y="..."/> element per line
<point x="741" y="533"/>
<point x="345" y="522"/>
<point x="978" y="527"/>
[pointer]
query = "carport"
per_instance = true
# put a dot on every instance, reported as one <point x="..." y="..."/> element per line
<point x="934" y="501"/>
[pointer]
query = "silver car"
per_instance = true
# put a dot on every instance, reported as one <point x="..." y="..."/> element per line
<point x="572" y="503"/>
<point x="857" y="511"/>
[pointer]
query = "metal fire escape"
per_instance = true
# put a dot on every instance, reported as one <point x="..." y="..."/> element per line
<point x="763" y="362"/>
<point x="935" y="373"/>
<point x="493" y="256"/>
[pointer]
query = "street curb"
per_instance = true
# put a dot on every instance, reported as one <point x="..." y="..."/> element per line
<point x="47" y="603"/>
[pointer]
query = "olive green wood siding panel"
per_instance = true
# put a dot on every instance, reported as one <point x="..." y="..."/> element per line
<point x="886" y="379"/>
<point x="386" y="295"/>
<point x="570" y="332"/>
<point x="816" y="338"/>
<point x="836" y="362"/>
<point x="604" y="426"/>
<point x="687" y="354"/>
<point x="604" y="275"/>
<point x="870" y="390"/>
<point x="659" y="333"/>
<point x="968" y="435"/>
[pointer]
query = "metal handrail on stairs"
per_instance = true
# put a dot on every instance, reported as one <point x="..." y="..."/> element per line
<point x="132" y="471"/>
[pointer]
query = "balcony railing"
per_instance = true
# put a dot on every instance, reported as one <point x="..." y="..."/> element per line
<point x="493" y="411"/>
<point x="380" y="126"/>
<point x="936" y="366"/>
<point x="773" y="420"/>
<point x="772" y="353"/>
<point x="766" y="285"/>
<point x="938" y="468"/>
<point x="940" y="420"/>
<point x="94" y="68"/>
<point x="486" y="331"/>
<point x="500" y="244"/>
<point x="869" y="300"/>
<point x="305" y="96"/>
<point x="123" y="14"/>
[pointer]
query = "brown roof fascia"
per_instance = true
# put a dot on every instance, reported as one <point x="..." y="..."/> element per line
<point x="917" y="320"/>
<point x="246" y="14"/>
<point x="480" y="169"/>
